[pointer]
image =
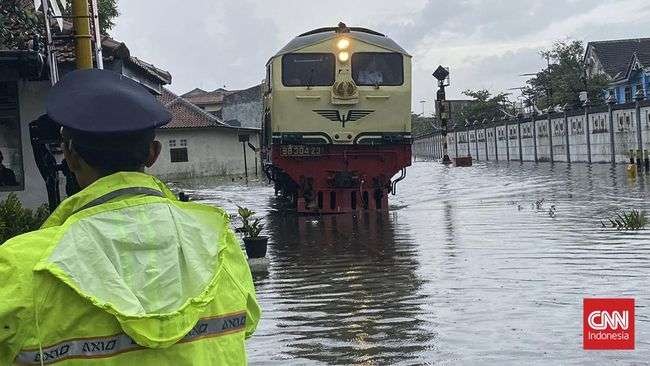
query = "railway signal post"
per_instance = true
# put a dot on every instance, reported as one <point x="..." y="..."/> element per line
<point x="442" y="108"/>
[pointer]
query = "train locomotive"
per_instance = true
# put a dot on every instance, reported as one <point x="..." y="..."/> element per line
<point x="337" y="120"/>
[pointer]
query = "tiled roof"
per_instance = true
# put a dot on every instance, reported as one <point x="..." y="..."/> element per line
<point x="186" y="114"/>
<point x="615" y="56"/>
<point x="201" y="97"/>
<point x="111" y="49"/>
<point x="166" y="97"/>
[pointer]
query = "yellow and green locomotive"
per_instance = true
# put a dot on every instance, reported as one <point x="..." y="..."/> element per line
<point x="337" y="120"/>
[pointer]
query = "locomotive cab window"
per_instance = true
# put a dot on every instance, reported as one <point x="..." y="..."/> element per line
<point x="308" y="69"/>
<point x="376" y="68"/>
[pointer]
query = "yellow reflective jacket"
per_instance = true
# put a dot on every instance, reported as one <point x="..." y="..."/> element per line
<point x="123" y="273"/>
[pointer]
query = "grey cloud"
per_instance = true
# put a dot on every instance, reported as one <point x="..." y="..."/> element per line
<point x="208" y="44"/>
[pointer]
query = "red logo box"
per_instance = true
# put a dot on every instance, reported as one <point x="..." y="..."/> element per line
<point x="608" y="324"/>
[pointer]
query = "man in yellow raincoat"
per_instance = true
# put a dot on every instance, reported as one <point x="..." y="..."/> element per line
<point x="122" y="273"/>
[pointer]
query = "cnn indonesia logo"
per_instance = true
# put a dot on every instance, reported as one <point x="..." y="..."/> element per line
<point x="608" y="323"/>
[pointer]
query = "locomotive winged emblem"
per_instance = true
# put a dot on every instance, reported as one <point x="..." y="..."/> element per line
<point x="335" y="116"/>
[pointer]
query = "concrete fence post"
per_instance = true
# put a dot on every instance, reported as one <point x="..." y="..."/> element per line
<point x="476" y="140"/>
<point x="456" y="141"/>
<point x="507" y="135"/>
<point x="612" y="141"/>
<point x="436" y="146"/>
<point x="550" y="134"/>
<point x="487" y="152"/>
<point x="587" y="131"/>
<point x="639" y="138"/>
<point x="496" y="143"/>
<point x="521" y="153"/>
<point x="566" y="137"/>
<point x="534" y="138"/>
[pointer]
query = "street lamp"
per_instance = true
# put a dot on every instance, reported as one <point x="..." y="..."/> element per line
<point x="442" y="108"/>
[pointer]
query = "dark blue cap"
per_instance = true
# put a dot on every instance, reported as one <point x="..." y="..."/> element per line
<point x="103" y="102"/>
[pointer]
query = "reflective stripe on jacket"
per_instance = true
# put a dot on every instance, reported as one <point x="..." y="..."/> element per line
<point x="123" y="273"/>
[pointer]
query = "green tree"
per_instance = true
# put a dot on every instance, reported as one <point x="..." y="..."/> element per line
<point x="564" y="78"/>
<point x="16" y="220"/>
<point x="486" y="106"/>
<point x="20" y="23"/>
<point x="107" y="14"/>
<point x="421" y="125"/>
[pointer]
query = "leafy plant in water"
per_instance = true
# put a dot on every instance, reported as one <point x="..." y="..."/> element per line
<point x="16" y="220"/>
<point x="633" y="220"/>
<point x="250" y="227"/>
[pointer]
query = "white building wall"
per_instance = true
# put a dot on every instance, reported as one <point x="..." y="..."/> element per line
<point x="31" y="98"/>
<point x="559" y="142"/>
<point x="211" y="152"/>
<point x="527" y="143"/>
<point x="513" y="142"/>
<point x="624" y="133"/>
<point x="600" y="145"/>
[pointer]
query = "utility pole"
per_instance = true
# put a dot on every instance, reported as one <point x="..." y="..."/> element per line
<point x="82" y="36"/>
<point x="442" y="108"/>
<point x="244" y="139"/>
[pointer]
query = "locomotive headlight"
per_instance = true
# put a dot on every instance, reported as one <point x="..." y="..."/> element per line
<point x="344" y="56"/>
<point x="343" y="44"/>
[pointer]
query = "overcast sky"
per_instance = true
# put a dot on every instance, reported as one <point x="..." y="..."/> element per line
<point x="487" y="44"/>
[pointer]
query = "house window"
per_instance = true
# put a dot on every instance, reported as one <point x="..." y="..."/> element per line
<point x="178" y="155"/>
<point x="628" y="94"/>
<point x="11" y="158"/>
<point x="183" y="143"/>
<point x="172" y="143"/>
<point x="612" y="93"/>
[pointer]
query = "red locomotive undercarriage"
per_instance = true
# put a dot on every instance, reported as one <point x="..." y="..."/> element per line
<point x="337" y="178"/>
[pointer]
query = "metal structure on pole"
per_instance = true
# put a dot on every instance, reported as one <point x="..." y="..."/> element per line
<point x="83" y="36"/>
<point x="99" y="55"/>
<point x="442" y="108"/>
<point x="51" y="54"/>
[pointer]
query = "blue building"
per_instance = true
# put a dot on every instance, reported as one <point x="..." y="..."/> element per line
<point x="625" y="62"/>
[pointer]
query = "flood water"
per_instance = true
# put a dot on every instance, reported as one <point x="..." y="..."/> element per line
<point x="462" y="269"/>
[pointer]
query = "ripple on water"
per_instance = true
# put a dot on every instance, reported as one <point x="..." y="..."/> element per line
<point x="462" y="269"/>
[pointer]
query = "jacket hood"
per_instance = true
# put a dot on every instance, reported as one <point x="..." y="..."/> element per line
<point x="146" y="261"/>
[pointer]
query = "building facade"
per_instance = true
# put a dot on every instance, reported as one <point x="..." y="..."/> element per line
<point x="209" y="101"/>
<point x="625" y="62"/>
<point x="244" y="108"/>
<point x="198" y="144"/>
<point x="24" y="84"/>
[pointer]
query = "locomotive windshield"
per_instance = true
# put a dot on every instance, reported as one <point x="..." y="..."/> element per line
<point x="375" y="68"/>
<point x="308" y="69"/>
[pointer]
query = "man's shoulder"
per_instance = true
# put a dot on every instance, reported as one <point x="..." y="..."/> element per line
<point x="30" y="247"/>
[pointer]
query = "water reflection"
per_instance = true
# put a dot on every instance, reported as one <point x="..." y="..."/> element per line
<point x="462" y="270"/>
<point x="346" y="290"/>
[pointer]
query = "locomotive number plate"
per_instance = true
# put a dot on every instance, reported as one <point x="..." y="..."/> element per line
<point x="301" y="150"/>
